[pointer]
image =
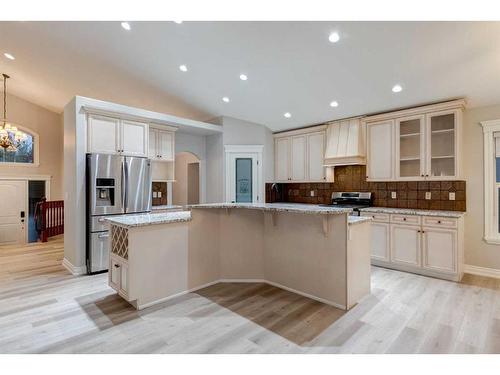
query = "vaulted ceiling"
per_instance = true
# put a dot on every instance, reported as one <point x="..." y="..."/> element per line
<point x="291" y="66"/>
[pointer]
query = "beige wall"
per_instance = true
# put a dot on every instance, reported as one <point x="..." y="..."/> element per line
<point x="477" y="252"/>
<point x="49" y="127"/>
<point x="180" y="186"/>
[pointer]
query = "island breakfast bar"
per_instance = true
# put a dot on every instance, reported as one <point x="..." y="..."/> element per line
<point x="318" y="252"/>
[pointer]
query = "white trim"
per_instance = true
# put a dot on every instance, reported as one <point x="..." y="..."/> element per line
<point x="491" y="234"/>
<point x="161" y="300"/>
<point x="34" y="177"/>
<point x="277" y="285"/>
<point x="77" y="271"/>
<point x="482" y="271"/>
<point x="244" y="149"/>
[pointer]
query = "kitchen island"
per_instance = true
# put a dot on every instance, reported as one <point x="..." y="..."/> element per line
<point x="318" y="252"/>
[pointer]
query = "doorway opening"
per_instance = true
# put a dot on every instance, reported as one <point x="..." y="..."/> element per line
<point x="186" y="187"/>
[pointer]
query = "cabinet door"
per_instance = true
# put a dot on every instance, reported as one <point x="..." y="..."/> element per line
<point x="114" y="274"/>
<point x="440" y="249"/>
<point x="380" y="150"/>
<point x="281" y="159"/>
<point x="380" y="241"/>
<point x="165" y="145"/>
<point x="405" y="244"/>
<point x="315" y="156"/>
<point x="123" y="290"/>
<point x="410" y="148"/>
<point x="103" y="134"/>
<point x="134" y="138"/>
<point x="153" y="149"/>
<point x="442" y="145"/>
<point x="298" y="158"/>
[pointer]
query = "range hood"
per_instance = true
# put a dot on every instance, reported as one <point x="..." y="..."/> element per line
<point x="345" y="143"/>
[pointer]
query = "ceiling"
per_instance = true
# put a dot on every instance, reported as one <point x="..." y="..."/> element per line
<point x="291" y="66"/>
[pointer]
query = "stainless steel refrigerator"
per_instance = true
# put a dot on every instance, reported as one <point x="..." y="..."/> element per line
<point x="116" y="185"/>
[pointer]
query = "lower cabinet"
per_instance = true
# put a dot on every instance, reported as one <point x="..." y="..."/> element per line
<point x="380" y="241"/>
<point x="440" y="249"/>
<point x="427" y="245"/>
<point x="405" y="244"/>
<point x="118" y="275"/>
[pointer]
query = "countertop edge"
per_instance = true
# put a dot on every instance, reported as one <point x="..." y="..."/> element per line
<point x="417" y="212"/>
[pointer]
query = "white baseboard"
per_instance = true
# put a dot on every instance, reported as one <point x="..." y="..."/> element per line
<point x="482" y="271"/>
<point x="77" y="271"/>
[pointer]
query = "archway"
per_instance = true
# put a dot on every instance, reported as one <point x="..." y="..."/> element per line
<point x="186" y="187"/>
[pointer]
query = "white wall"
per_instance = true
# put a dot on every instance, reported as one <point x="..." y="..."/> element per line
<point x="215" y="164"/>
<point x="49" y="127"/>
<point x="180" y="186"/>
<point x="477" y="252"/>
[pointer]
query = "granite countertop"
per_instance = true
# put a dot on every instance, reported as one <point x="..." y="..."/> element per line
<point x="140" y="220"/>
<point x="166" y="207"/>
<point x="352" y="220"/>
<point x="410" y="211"/>
<point x="280" y="207"/>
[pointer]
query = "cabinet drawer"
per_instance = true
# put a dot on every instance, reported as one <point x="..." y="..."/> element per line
<point x="376" y="216"/>
<point x="441" y="222"/>
<point x="405" y="219"/>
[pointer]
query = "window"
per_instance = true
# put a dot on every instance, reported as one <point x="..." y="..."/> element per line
<point x="491" y="132"/>
<point x="24" y="154"/>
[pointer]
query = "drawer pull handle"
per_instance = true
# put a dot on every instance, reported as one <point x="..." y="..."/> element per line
<point x="106" y="235"/>
<point x="101" y="220"/>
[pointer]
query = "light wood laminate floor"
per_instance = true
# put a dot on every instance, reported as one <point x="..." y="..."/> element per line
<point x="44" y="309"/>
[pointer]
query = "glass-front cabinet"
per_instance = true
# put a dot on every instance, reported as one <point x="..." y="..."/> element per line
<point x="410" y="147"/>
<point x="426" y="146"/>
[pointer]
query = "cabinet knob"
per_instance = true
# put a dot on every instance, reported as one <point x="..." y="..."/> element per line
<point x="422" y="175"/>
<point x="418" y="231"/>
<point x="404" y="219"/>
<point x="117" y="266"/>
<point x="439" y="221"/>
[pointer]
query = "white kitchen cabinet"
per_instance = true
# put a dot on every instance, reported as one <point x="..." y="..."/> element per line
<point x="161" y="144"/>
<point x="118" y="275"/>
<point x="424" y="144"/>
<point x="380" y="241"/>
<point x="111" y="135"/>
<point x="439" y="249"/>
<point x="380" y="151"/>
<point x="405" y="244"/>
<point x="282" y="159"/>
<point x="298" y="158"/>
<point x="134" y="138"/>
<point x="315" y="155"/>
<point x="103" y="134"/>
<point x="299" y="155"/>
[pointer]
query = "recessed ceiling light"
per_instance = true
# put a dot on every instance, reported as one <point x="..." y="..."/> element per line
<point x="9" y="56"/>
<point x="126" y="25"/>
<point x="178" y="22"/>
<point x="243" y="77"/>
<point x="287" y="115"/>
<point x="397" y="88"/>
<point x="334" y="104"/>
<point x="334" y="37"/>
<point x="183" y="68"/>
<point x="225" y="99"/>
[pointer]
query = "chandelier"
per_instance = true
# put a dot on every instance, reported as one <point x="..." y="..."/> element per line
<point x="10" y="137"/>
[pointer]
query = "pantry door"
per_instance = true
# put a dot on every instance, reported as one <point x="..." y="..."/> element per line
<point x="243" y="175"/>
<point x="13" y="214"/>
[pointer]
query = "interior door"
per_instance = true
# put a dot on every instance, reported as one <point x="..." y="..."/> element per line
<point x="12" y="205"/>
<point x="244" y="178"/>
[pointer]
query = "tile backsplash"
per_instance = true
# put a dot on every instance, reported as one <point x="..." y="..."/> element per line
<point x="409" y="194"/>
<point x="159" y="189"/>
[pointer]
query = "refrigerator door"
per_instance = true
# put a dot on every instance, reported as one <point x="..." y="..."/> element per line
<point x="105" y="181"/>
<point x="138" y="185"/>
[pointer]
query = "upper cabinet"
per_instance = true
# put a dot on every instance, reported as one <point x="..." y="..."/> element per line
<point x="298" y="155"/>
<point x="111" y="135"/>
<point x="415" y="144"/>
<point x="161" y="144"/>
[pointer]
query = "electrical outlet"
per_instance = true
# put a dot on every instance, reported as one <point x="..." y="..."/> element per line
<point x="451" y="195"/>
<point x="427" y="195"/>
<point x="159" y="194"/>
<point x="312" y="193"/>
<point x="155" y="194"/>
<point x="393" y="195"/>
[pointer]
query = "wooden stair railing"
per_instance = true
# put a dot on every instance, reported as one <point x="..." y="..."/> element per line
<point x="49" y="218"/>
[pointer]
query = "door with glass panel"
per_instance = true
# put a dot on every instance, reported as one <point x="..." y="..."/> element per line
<point x="243" y="178"/>
<point x="441" y="145"/>
<point x="410" y="149"/>
<point x="497" y="181"/>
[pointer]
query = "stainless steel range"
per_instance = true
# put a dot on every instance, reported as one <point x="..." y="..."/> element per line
<point x="116" y="185"/>
<point x="354" y="200"/>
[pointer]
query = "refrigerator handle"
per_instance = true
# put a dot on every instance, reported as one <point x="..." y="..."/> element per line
<point x="124" y="184"/>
